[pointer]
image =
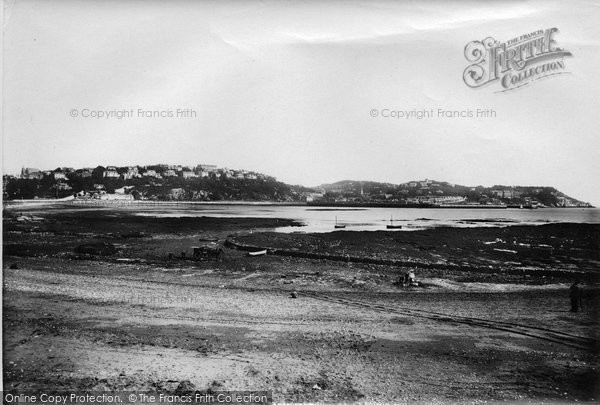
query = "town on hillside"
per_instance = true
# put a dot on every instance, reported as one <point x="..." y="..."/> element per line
<point x="431" y="193"/>
<point x="204" y="182"/>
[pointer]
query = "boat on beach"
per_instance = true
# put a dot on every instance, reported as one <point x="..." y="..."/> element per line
<point x="258" y="253"/>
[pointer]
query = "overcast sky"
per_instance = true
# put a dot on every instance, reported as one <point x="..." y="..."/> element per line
<point x="287" y="89"/>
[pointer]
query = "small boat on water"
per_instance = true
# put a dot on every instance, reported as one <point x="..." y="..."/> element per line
<point x="392" y="226"/>
<point x="258" y="253"/>
<point x="338" y="226"/>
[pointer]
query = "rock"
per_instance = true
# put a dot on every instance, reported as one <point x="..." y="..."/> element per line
<point x="98" y="248"/>
<point x="294" y="294"/>
<point x="215" y="386"/>
<point x="316" y="387"/>
<point x="134" y="234"/>
<point x="185" y="386"/>
<point x="14" y="266"/>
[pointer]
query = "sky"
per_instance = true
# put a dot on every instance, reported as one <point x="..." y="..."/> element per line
<point x="289" y="89"/>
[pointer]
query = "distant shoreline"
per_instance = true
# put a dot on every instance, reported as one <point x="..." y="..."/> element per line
<point x="126" y="202"/>
<point x="118" y="202"/>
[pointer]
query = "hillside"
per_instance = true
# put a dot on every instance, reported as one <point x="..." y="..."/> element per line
<point x="442" y="193"/>
<point x="209" y="183"/>
<point x="154" y="182"/>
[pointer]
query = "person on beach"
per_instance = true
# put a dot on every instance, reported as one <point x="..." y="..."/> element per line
<point x="575" y="294"/>
<point x="409" y="279"/>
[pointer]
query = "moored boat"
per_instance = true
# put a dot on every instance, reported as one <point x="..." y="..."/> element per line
<point x="338" y="226"/>
<point x="392" y="226"/>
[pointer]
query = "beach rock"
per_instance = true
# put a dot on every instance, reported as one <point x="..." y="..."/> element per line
<point x="294" y="294"/>
<point x="134" y="234"/>
<point x="185" y="386"/>
<point x="99" y="248"/>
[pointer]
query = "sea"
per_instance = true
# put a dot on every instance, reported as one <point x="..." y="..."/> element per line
<point x="324" y="219"/>
<point x="316" y="219"/>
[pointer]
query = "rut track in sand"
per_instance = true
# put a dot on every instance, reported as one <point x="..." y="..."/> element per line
<point x="566" y="339"/>
<point x="554" y="336"/>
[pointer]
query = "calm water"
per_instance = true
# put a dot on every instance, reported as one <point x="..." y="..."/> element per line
<point x="317" y="219"/>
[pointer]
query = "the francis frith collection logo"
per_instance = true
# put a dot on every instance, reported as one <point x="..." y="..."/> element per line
<point x="514" y="63"/>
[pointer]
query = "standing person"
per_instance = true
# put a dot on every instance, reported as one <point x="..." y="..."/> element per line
<point x="575" y="294"/>
<point x="411" y="278"/>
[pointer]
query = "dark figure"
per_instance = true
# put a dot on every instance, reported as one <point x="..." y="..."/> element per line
<point x="575" y="294"/>
<point x="409" y="279"/>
